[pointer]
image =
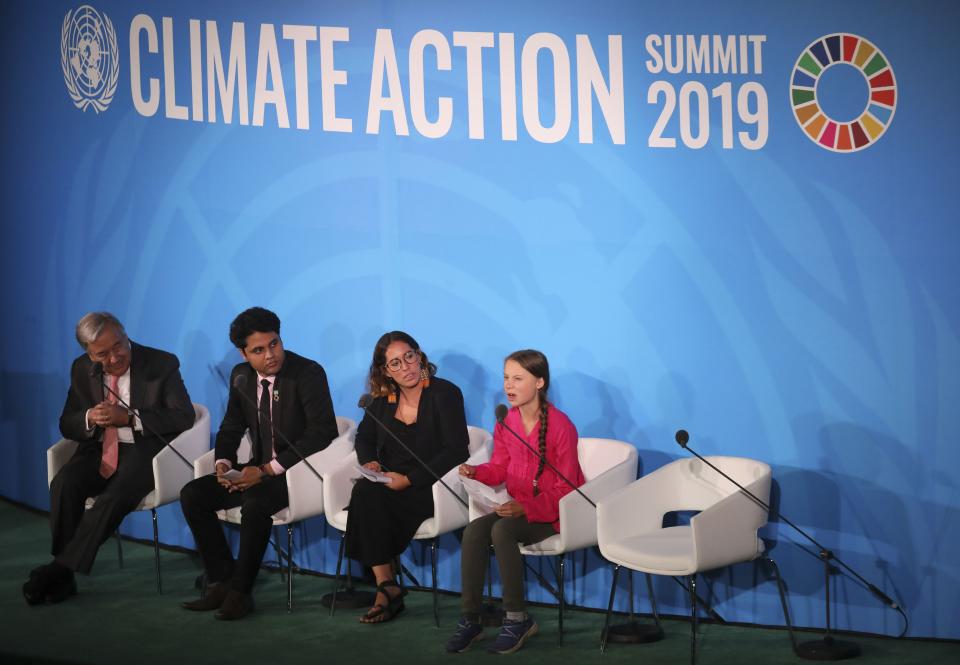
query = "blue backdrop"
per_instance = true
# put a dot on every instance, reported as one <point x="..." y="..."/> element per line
<point x="637" y="189"/>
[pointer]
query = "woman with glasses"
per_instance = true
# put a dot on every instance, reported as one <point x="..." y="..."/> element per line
<point x="426" y="414"/>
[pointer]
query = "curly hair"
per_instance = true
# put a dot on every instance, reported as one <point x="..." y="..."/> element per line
<point x="379" y="380"/>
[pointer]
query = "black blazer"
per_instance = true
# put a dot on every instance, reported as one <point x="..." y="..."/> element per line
<point x="302" y="411"/>
<point x="156" y="392"/>
<point x="441" y="431"/>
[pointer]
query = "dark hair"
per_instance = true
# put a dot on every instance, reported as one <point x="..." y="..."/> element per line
<point x="379" y="381"/>
<point x="536" y="363"/>
<point x="253" y="320"/>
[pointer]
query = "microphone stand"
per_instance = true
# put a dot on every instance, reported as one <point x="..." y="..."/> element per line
<point x="826" y="648"/>
<point x="97" y="371"/>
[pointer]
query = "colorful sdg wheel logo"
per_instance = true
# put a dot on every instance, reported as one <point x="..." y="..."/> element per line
<point x="843" y="92"/>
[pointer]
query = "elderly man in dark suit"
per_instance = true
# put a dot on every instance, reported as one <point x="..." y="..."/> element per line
<point x="113" y="461"/>
<point x="281" y="398"/>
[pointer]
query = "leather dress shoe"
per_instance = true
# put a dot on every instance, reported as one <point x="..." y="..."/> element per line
<point x="212" y="599"/>
<point x="235" y="606"/>
<point x="61" y="589"/>
<point x="49" y="583"/>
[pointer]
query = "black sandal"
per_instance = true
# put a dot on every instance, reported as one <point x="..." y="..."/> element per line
<point x="380" y="613"/>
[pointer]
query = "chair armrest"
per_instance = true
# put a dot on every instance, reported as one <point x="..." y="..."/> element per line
<point x="578" y="519"/>
<point x="170" y="473"/>
<point x="204" y="465"/>
<point x="635" y="509"/>
<point x="338" y="484"/>
<point x="726" y="532"/>
<point x="57" y="455"/>
<point x="448" y="513"/>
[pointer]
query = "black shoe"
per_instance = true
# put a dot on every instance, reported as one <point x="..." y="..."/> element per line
<point x="61" y="589"/>
<point x="212" y="599"/>
<point x="41" y="579"/>
<point x="235" y="606"/>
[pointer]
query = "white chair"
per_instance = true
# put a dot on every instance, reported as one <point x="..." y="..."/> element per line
<point x="170" y="474"/>
<point x="608" y="465"/>
<point x="448" y="513"/>
<point x="304" y="489"/>
<point x="631" y="532"/>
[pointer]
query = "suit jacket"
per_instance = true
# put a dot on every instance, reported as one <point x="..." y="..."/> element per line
<point x="156" y="392"/>
<point x="302" y="411"/>
<point x="441" y="431"/>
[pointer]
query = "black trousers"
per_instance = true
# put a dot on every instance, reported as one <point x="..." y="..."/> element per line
<point x="201" y="498"/>
<point x="78" y="533"/>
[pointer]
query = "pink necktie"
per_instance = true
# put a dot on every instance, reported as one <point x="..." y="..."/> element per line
<point x="111" y="442"/>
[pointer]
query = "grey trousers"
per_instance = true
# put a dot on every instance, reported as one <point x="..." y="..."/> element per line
<point x="505" y="534"/>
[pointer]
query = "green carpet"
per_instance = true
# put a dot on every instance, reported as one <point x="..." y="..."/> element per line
<point x="118" y="617"/>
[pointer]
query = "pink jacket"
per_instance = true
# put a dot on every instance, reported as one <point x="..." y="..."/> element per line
<point x="514" y="464"/>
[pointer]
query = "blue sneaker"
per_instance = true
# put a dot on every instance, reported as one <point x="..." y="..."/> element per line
<point x="467" y="633"/>
<point x="513" y="634"/>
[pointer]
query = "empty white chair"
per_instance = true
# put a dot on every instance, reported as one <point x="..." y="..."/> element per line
<point x="631" y="532"/>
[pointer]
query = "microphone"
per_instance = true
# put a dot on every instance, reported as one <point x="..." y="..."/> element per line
<point x="501" y="413"/>
<point x="96" y="371"/>
<point x="364" y="403"/>
<point x="239" y="383"/>
<point x="682" y="437"/>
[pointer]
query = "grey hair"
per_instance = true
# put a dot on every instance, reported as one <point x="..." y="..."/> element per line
<point x="91" y="325"/>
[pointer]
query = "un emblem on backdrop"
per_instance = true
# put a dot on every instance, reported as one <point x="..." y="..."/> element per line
<point x="89" y="58"/>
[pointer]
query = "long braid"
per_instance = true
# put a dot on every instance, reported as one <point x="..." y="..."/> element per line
<point x="542" y="442"/>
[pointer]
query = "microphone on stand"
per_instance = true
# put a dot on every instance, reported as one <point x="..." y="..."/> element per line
<point x="826" y="648"/>
<point x="96" y="371"/>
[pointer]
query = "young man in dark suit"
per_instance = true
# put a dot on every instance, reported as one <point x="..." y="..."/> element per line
<point x="279" y="397"/>
<point x="116" y="446"/>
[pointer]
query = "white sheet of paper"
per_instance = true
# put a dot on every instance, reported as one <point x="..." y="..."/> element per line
<point x="375" y="476"/>
<point x="232" y="474"/>
<point x="485" y="497"/>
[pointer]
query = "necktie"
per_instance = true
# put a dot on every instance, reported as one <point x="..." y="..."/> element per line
<point x="266" y="433"/>
<point x="111" y="442"/>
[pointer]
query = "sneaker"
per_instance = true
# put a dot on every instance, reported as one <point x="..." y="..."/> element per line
<point x="467" y="633"/>
<point x="513" y="634"/>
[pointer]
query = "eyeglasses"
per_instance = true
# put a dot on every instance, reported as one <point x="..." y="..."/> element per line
<point x="408" y="358"/>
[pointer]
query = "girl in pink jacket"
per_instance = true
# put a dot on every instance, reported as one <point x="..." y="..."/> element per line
<point x="533" y="513"/>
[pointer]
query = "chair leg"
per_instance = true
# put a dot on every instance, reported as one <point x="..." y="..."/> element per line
<point x="606" y="621"/>
<point x="433" y="567"/>
<point x="290" y="567"/>
<point x="783" y="601"/>
<point x="693" y="619"/>
<point x="336" y="577"/>
<point x="116" y="535"/>
<point x="653" y="600"/>
<point x="156" y="548"/>
<point x="560" y="579"/>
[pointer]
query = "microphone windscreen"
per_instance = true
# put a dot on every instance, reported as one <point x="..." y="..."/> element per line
<point x="96" y="370"/>
<point x="366" y="399"/>
<point x="682" y="437"/>
<point x="500" y="412"/>
<point x="240" y="381"/>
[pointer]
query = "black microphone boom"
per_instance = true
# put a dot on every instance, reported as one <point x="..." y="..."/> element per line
<point x="97" y="370"/>
<point x="501" y="413"/>
<point x="827" y="648"/>
<point x="364" y="403"/>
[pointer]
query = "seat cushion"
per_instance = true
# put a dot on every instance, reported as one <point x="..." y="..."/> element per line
<point x="662" y="552"/>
